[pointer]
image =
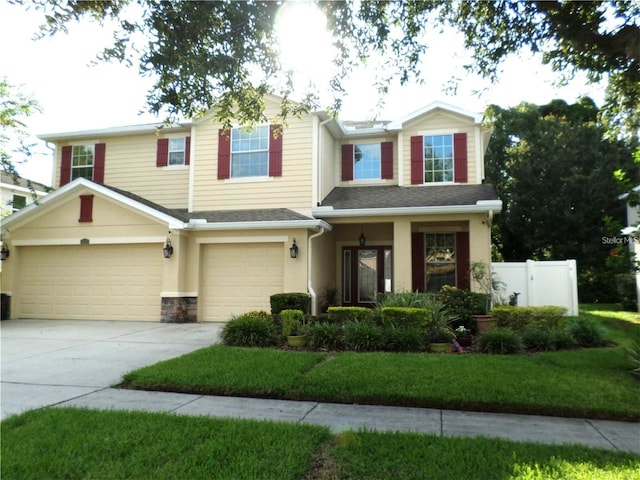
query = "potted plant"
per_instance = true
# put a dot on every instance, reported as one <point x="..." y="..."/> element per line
<point x="481" y="301"/>
<point x="440" y="334"/>
<point x="463" y="336"/>
<point x="292" y="327"/>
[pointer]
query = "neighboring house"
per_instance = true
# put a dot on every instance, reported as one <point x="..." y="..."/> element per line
<point x="17" y="193"/>
<point x="390" y="206"/>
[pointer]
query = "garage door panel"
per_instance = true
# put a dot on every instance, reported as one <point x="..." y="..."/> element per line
<point x="93" y="282"/>
<point x="239" y="278"/>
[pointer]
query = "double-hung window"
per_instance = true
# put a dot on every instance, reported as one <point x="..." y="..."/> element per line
<point x="82" y="159"/>
<point x="438" y="158"/>
<point x="366" y="161"/>
<point x="18" y="202"/>
<point x="250" y="152"/>
<point x="177" y="151"/>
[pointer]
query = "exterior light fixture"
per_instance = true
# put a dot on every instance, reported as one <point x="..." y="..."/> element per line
<point x="293" y="250"/>
<point x="362" y="239"/>
<point x="168" y="249"/>
<point x="4" y="251"/>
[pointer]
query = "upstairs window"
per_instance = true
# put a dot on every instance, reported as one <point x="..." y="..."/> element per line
<point x="177" y="151"/>
<point x="82" y="162"/>
<point x="250" y="152"/>
<point x="438" y="158"/>
<point x="18" y="202"/>
<point x="367" y="161"/>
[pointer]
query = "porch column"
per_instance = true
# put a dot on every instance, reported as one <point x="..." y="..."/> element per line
<point x="402" y="255"/>
<point x="479" y="241"/>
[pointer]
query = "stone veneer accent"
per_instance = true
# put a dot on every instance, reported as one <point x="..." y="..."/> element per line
<point x="179" y="310"/>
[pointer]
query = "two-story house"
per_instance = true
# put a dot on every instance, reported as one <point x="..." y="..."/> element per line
<point x="197" y="223"/>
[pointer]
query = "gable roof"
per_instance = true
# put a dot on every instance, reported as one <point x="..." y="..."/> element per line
<point x="22" y="183"/>
<point x="396" y="200"/>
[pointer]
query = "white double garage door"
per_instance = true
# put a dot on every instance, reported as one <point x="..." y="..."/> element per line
<point x="124" y="282"/>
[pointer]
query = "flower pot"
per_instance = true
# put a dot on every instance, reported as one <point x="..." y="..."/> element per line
<point x="297" y="340"/>
<point x="439" y="347"/>
<point x="484" y="322"/>
<point x="465" y="340"/>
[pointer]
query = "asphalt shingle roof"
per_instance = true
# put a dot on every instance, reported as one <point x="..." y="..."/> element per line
<point x="393" y="196"/>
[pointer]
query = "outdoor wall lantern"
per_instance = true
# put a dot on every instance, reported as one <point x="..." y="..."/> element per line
<point x="168" y="249"/>
<point x="4" y="251"/>
<point x="293" y="250"/>
<point x="362" y="239"/>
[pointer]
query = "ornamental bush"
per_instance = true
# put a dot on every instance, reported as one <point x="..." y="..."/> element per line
<point x="500" y="341"/>
<point x="362" y="336"/>
<point x="521" y="318"/>
<point x="405" y="316"/>
<point x="586" y="332"/>
<point x="346" y="314"/>
<point x="292" y="321"/>
<point x="402" y="339"/>
<point x="291" y="301"/>
<point x="325" y="335"/>
<point x="252" y="329"/>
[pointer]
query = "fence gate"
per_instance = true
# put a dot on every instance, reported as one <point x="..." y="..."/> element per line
<point x="539" y="283"/>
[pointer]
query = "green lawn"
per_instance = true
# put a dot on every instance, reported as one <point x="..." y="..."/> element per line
<point x="75" y="443"/>
<point x="592" y="383"/>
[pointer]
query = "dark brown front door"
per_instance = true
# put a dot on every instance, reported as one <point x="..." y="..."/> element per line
<point x="366" y="272"/>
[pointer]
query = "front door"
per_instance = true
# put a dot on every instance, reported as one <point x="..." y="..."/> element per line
<point x="366" y="272"/>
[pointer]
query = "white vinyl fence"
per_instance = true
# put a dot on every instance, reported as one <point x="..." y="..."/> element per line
<point x="539" y="283"/>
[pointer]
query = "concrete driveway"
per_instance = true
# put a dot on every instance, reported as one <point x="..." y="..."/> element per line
<point x="45" y="362"/>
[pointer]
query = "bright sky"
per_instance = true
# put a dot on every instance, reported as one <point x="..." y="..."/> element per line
<point x="76" y="96"/>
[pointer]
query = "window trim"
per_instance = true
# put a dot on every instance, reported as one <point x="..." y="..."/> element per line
<point x="92" y="147"/>
<point x="183" y="151"/>
<point x="234" y="131"/>
<point x="432" y="171"/>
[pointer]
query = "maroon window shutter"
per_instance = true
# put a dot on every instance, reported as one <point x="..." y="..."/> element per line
<point x="65" y="165"/>
<point x="347" y="162"/>
<point x="86" y="208"/>
<point x="460" y="157"/>
<point x="386" y="160"/>
<point x="417" y="262"/>
<point x="224" y="153"/>
<point x="187" y="150"/>
<point x="462" y="260"/>
<point x="275" y="151"/>
<point x="162" y="152"/>
<point x="98" y="162"/>
<point x="417" y="161"/>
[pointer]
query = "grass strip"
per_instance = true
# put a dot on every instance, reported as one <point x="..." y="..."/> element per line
<point x="220" y="370"/>
<point x="372" y="455"/>
<point x="75" y="443"/>
<point x="71" y="443"/>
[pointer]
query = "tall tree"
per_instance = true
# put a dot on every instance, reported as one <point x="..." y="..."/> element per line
<point x="206" y="54"/>
<point x="558" y="179"/>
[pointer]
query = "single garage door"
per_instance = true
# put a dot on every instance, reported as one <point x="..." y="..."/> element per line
<point x="92" y="282"/>
<point x="239" y="278"/>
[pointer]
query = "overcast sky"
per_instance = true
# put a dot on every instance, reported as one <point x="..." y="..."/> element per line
<point x="75" y="96"/>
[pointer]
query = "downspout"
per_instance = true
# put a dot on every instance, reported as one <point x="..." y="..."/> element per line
<point x="312" y="293"/>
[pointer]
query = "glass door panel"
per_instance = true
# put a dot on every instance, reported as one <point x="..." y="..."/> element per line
<point x="367" y="275"/>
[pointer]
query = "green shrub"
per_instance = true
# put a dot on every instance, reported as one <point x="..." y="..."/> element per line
<point x="362" y="336"/>
<point x="406" y="299"/>
<point x="626" y="289"/>
<point x="252" y="329"/>
<point x="561" y="339"/>
<point x="464" y="304"/>
<point x="586" y="332"/>
<point x="522" y="318"/>
<point x="405" y="316"/>
<point x="325" y="335"/>
<point x="633" y="352"/>
<point x="292" y="322"/>
<point x="346" y="314"/>
<point x="402" y="339"/>
<point x="290" y="301"/>
<point x="501" y="341"/>
<point x="538" y="339"/>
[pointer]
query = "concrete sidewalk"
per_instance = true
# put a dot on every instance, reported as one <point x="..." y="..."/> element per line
<point x="605" y="434"/>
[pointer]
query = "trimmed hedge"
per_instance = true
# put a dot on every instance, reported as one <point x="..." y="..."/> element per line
<point x="251" y="329"/>
<point x="290" y="301"/>
<point x="522" y="318"/>
<point x="292" y="321"/>
<point x="346" y="314"/>
<point x="405" y="316"/>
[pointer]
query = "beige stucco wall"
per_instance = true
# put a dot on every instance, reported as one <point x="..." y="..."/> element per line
<point x="292" y="190"/>
<point x="441" y="122"/>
